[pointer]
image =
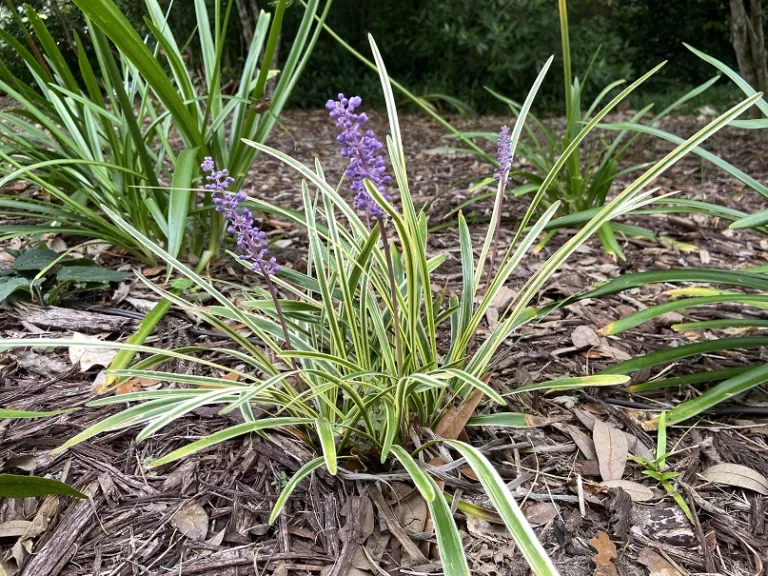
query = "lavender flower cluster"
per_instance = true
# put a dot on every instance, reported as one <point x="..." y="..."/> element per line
<point x="362" y="149"/>
<point x="504" y="155"/>
<point x="250" y="240"/>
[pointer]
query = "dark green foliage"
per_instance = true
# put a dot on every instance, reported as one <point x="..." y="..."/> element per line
<point x="49" y="275"/>
<point x="457" y="47"/>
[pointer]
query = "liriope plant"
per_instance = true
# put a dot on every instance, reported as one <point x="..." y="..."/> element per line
<point x="348" y="351"/>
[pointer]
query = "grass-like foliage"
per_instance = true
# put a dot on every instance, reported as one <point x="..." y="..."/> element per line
<point x="583" y="186"/>
<point x="107" y="136"/>
<point x="699" y="287"/>
<point x="363" y="353"/>
<point x="104" y="135"/>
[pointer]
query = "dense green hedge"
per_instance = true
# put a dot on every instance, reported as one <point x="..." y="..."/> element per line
<point x="457" y="47"/>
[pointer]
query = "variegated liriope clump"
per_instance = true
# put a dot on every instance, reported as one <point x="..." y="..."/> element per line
<point x="346" y="350"/>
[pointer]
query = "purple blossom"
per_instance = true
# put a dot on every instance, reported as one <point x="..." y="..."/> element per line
<point x="362" y="150"/>
<point x="504" y="155"/>
<point x="250" y="240"/>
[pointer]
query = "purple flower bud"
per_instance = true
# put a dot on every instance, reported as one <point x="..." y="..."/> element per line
<point x="504" y="155"/>
<point x="361" y="149"/>
<point x="250" y="240"/>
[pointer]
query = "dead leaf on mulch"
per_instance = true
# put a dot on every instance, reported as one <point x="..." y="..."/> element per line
<point x="585" y="337"/>
<point x="737" y="475"/>
<point x="192" y="521"/>
<point x="14" y="528"/>
<point x="656" y="564"/>
<point x="606" y="553"/>
<point x="582" y="441"/>
<point x="612" y="450"/>
<point x="637" y="492"/>
<point x="540" y="512"/>
<point x="89" y="357"/>
<point x="452" y="423"/>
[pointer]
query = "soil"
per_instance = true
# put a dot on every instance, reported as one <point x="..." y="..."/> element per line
<point x="208" y="514"/>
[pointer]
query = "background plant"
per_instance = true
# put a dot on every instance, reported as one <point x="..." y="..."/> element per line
<point x="109" y="138"/>
<point x="47" y="276"/>
<point x="351" y="358"/>
<point x="692" y="288"/>
<point x="591" y="170"/>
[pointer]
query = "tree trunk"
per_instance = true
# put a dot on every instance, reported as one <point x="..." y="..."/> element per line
<point x="246" y="21"/>
<point x="749" y="43"/>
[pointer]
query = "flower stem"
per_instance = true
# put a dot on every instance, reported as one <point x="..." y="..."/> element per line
<point x="496" y="231"/>
<point x="393" y="287"/>
<point x="280" y="315"/>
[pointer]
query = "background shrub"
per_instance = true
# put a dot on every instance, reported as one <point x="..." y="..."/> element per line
<point x="456" y="47"/>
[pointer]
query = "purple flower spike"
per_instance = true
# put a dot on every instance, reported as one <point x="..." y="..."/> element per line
<point x="362" y="150"/>
<point x="504" y="155"/>
<point x="251" y="241"/>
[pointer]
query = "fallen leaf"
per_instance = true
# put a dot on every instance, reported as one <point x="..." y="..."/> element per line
<point x="539" y="513"/>
<point x="131" y="385"/>
<point x="737" y="475"/>
<point x="607" y="351"/>
<point x="14" y="528"/>
<point x="637" y="492"/>
<point x="43" y="517"/>
<point x="453" y="421"/>
<point x="585" y="337"/>
<point x="192" y="521"/>
<point x="656" y="564"/>
<point x="153" y="271"/>
<point x="411" y="510"/>
<point x="583" y="442"/>
<point x="281" y="569"/>
<point x="484" y="529"/>
<point x="469" y="473"/>
<point x="612" y="450"/>
<point x="492" y="318"/>
<point x="26" y="462"/>
<point x="141" y="304"/>
<point x="606" y="552"/>
<point x="89" y="357"/>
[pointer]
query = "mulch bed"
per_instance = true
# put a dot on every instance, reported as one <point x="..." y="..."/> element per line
<point x="208" y="514"/>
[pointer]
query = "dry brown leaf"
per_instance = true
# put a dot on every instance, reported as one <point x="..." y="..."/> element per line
<point x="583" y="442"/>
<point x="192" y="521"/>
<point x="637" y="492"/>
<point x="484" y="529"/>
<point x="453" y="421"/>
<point x="539" y="513"/>
<point x="737" y="475"/>
<point x="128" y="387"/>
<point x="411" y="510"/>
<point x="608" y="351"/>
<point x="14" y="528"/>
<point x="153" y="271"/>
<point x="43" y="517"/>
<point x="90" y="357"/>
<point x="606" y="552"/>
<point x="612" y="450"/>
<point x="469" y="473"/>
<point x="585" y="337"/>
<point x="26" y="462"/>
<point x="656" y="565"/>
